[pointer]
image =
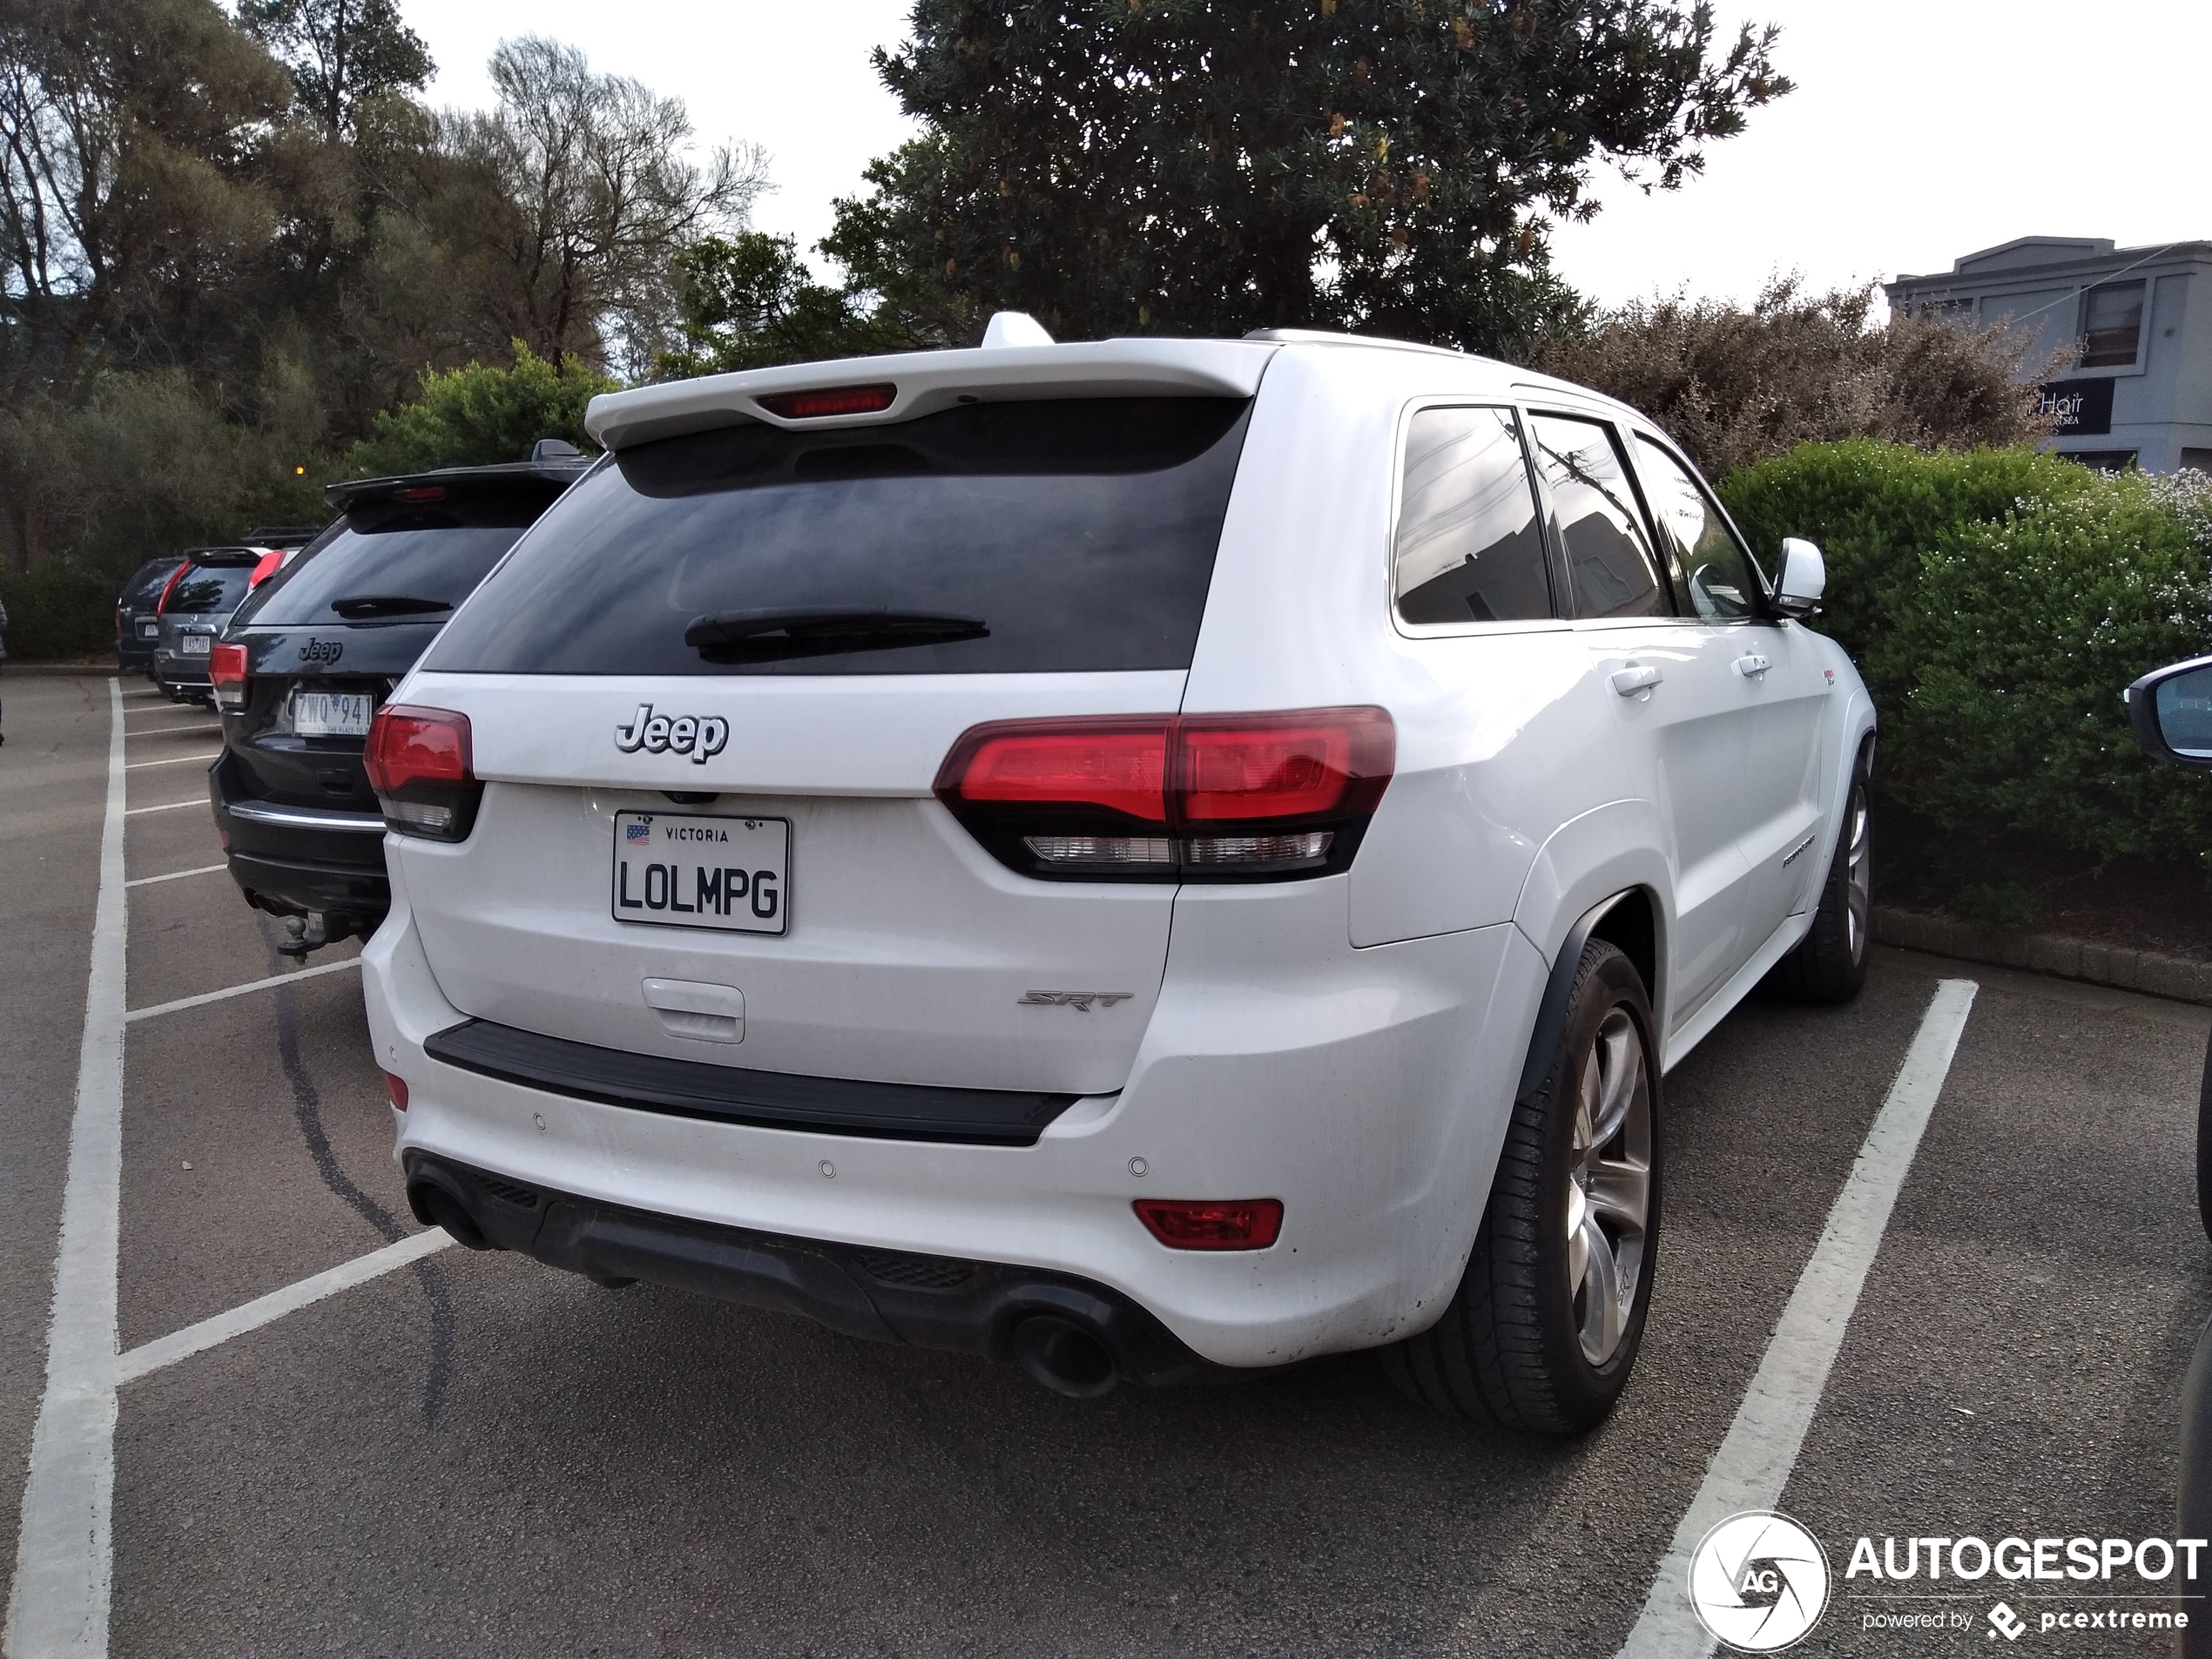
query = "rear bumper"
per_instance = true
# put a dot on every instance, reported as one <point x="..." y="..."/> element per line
<point x="930" y="1302"/>
<point x="297" y="859"/>
<point x="1367" y="1089"/>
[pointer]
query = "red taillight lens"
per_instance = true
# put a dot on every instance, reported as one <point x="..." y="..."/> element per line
<point x="1121" y="765"/>
<point x="831" y="399"/>
<point x="1210" y="1224"/>
<point x="170" y="587"/>
<point x="409" y="744"/>
<point x="1231" y="797"/>
<point x="227" y="673"/>
<point x="272" y="562"/>
<point x="420" y="765"/>
<point x="395" y="1090"/>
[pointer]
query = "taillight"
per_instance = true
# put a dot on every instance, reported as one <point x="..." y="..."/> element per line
<point x="1212" y="1223"/>
<point x="831" y="399"/>
<point x="169" y="587"/>
<point x="420" y="764"/>
<point x="270" y="562"/>
<point x="226" y="672"/>
<point x="1173" y="798"/>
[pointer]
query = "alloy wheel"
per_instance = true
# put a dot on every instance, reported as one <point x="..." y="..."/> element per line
<point x="1608" y="1197"/>
<point x="1858" y="874"/>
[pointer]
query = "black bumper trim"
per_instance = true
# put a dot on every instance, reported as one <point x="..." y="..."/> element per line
<point x="761" y="1099"/>
<point x="926" y="1301"/>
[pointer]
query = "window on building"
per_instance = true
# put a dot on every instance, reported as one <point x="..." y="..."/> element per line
<point x="2112" y="318"/>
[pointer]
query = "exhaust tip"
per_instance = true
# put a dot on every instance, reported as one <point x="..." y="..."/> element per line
<point x="437" y="1205"/>
<point x="1064" y="1357"/>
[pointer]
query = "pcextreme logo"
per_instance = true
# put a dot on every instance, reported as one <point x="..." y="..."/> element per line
<point x="1758" y="1581"/>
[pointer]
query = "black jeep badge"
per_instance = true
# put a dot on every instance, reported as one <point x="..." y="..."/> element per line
<point x="321" y="650"/>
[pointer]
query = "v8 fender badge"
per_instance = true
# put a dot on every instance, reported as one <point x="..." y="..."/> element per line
<point x="322" y="650"/>
<point x="696" y="735"/>
<point x="1080" y="1001"/>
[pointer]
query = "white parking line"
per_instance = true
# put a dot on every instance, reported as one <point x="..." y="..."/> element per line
<point x="174" y="875"/>
<point x="195" y="1338"/>
<point x="168" y="806"/>
<point x="171" y="760"/>
<point x="171" y="714"/>
<point x="225" y="995"/>
<point x="1760" y="1446"/>
<point x="64" y="1551"/>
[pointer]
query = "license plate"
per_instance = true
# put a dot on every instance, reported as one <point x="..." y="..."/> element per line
<point x="149" y="629"/>
<point x="330" y="714"/>
<point x="682" y="870"/>
<point x="196" y="644"/>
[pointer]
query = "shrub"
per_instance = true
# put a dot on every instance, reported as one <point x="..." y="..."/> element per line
<point x="57" y="610"/>
<point x="1997" y="603"/>
<point x="1735" y="384"/>
<point x="468" y="416"/>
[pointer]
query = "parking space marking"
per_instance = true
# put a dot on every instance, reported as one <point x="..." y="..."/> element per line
<point x="202" y="726"/>
<point x="170" y="760"/>
<point x="167" y="806"/>
<point x="205" y="997"/>
<point x="175" y="875"/>
<point x="1760" y="1446"/>
<point x="196" y="1338"/>
<point x="64" y="1561"/>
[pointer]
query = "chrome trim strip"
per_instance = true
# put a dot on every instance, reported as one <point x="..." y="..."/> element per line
<point x="307" y="817"/>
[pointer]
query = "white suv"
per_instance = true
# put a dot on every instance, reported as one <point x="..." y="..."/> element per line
<point x="1138" y="858"/>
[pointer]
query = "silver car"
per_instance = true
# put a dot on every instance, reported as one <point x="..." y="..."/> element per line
<point x="194" y="610"/>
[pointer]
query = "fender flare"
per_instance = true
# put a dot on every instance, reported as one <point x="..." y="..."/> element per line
<point x="1559" y="989"/>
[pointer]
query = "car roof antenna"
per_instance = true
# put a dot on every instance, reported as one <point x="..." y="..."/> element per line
<point x="1014" y="328"/>
<point x="554" y="449"/>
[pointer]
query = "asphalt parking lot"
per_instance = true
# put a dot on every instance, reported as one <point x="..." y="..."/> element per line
<point x="472" y="1455"/>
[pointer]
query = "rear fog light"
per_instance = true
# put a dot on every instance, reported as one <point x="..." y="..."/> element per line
<point x="1212" y="1223"/>
<point x="395" y="1088"/>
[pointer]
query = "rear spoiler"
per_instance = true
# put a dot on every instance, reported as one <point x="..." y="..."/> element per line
<point x="547" y="478"/>
<point x="924" y="383"/>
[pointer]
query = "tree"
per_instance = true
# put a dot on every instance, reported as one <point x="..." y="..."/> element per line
<point x="746" y="301"/>
<point x="1735" y="384"/>
<point x="339" y="52"/>
<point x="468" y="416"/>
<point x="599" y="196"/>
<point x="126" y="193"/>
<point x="1206" y="167"/>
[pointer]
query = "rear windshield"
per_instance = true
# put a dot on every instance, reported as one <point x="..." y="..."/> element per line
<point x="1030" y="537"/>
<point x="147" y="581"/>
<point x="207" y="589"/>
<point x="408" y="564"/>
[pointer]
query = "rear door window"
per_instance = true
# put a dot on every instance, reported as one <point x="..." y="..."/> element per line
<point x="209" y="589"/>
<point x="1609" y="556"/>
<point x="1469" y="545"/>
<point x="406" y="563"/>
<point x="1054" y="535"/>
<point x="1718" y="578"/>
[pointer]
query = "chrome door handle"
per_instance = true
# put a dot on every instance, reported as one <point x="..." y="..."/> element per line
<point x="1752" y="666"/>
<point x="1630" y="680"/>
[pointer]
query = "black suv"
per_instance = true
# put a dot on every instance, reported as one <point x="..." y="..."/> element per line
<point x="312" y="654"/>
<point x="138" y="620"/>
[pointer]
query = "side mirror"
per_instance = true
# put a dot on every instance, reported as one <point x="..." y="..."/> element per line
<point x="2171" y="711"/>
<point x="1802" y="578"/>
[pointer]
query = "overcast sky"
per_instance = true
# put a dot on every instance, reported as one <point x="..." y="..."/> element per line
<point x="1921" y="129"/>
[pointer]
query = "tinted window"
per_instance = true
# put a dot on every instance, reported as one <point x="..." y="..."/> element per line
<point x="425" y="560"/>
<point x="1718" y="580"/>
<point x="145" y="584"/>
<point x="1608" y="558"/>
<point x="2112" y="317"/>
<point x="208" y="590"/>
<point x="1468" y="544"/>
<point x="1080" y="533"/>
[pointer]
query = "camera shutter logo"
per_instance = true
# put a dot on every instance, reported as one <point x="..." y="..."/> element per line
<point x="1758" y="1581"/>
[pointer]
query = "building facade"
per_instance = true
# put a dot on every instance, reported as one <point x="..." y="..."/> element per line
<point x="2141" y="390"/>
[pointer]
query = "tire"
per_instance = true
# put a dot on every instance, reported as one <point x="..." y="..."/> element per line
<point x="1829" y="965"/>
<point x="2204" y="1155"/>
<point x="1532" y="1340"/>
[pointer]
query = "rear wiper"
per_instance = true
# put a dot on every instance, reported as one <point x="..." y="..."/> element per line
<point x="356" y="607"/>
<point x="771" y="636"/>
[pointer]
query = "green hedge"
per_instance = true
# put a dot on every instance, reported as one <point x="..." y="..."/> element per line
<point x="1997" y="603"/>
<point x="57" y="612"/>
